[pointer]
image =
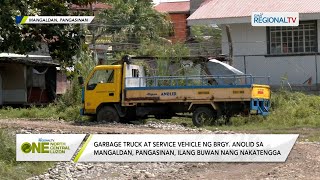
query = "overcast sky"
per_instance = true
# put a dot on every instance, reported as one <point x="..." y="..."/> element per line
<point x="158" y="1"/>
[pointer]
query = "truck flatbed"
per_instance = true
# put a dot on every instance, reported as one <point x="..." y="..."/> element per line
<point x="201" y="88"/>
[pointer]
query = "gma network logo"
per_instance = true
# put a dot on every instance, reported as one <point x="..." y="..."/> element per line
<point x="44" y="146"/>
<point x="275" y="19"/>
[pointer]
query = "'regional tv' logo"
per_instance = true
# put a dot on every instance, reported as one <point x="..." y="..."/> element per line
<point x="45" y="146"/>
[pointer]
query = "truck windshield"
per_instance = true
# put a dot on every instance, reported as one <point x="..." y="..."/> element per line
<point x="101" y="76"/>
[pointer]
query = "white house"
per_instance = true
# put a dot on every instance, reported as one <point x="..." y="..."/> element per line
<point x="290" y="53"/>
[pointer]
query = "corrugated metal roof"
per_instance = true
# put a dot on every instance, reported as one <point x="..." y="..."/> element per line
<point x="216" y="9"/>
<point x="171" y="7"/>
<point x="27" y="59"/>
<point x="13" y="55"/>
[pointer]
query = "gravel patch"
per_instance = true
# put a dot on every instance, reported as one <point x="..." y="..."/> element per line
<point x="71" y="170"/>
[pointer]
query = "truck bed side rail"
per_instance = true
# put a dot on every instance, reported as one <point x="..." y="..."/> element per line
<point x="195" y="81"/>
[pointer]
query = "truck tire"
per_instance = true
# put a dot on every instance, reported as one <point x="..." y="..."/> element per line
<point x="108" y="114"/>
<point x="203" y="116"/>
<point x="163" y="116"/>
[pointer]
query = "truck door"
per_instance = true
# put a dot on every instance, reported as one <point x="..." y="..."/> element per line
<point x="102" y="87"/>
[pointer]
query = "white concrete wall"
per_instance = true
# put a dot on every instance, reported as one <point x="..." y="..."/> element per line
<point x="248" y="40"/>
<point x="297" y="69"/>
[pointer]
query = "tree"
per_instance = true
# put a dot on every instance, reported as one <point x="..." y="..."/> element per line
<point x="63" y="40"/>
<point x="207" y="39"/>
<point x="14" y="37"/>
<point x="130" y="21"/>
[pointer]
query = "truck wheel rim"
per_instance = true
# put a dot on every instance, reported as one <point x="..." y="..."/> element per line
<point x="203" y="118"/>
<point x="109" y="117"/>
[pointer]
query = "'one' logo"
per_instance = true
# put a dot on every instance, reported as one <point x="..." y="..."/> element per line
<point x="26" y="147"/>
<point x="40" y="147"/>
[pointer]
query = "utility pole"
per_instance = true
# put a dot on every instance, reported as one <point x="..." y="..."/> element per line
<point x="230" y="45"/>
<point x="93" y="41"/>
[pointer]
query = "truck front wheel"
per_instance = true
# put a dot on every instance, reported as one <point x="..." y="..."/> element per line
<point x="203" y="116"/>
<point x="108" y="114"/>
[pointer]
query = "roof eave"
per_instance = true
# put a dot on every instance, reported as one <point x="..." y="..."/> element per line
<point x="177" y="12"/>
<point x="28" y="61"/>
<point x="238" y="20"/>
<point x="218" y="21"/>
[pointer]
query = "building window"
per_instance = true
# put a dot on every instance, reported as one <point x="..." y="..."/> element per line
<point x="171" y="30"/>
<point x="135" y="73"/>
<point x="287" y="40"/>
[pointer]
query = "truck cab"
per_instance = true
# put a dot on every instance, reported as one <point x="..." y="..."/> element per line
<point x="104" y="85"/>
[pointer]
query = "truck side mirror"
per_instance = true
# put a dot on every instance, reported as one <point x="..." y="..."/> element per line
<point x="80" y="80"/>
<point x="126" y="59"/>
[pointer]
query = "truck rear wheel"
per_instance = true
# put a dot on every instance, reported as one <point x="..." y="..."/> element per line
<point x="108" y="114"/>
<point x="203" y="116"/>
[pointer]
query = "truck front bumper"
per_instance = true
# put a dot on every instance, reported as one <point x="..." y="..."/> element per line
<point x="81" y="111"/>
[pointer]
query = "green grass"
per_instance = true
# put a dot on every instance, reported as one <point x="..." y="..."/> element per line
<point x="288" y="110"/>
<point x="71" y="113"/>
<point x="9" y="167"/>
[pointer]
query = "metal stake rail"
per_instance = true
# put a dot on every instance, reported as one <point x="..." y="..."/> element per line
<point x="169" y="81"/>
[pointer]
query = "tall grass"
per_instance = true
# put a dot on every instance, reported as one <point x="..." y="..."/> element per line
<point x="50" y="112"/>
<point x="9" y="167"/>
<point x="288" y="110"/>
<point x="68" y="106"/>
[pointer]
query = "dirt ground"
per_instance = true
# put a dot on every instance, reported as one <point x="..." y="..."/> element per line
<point x="302" y="163"/>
